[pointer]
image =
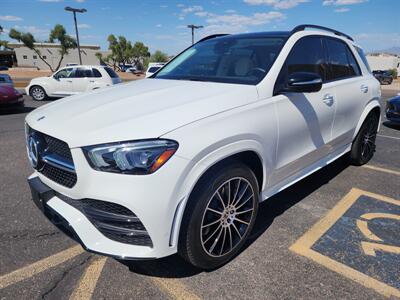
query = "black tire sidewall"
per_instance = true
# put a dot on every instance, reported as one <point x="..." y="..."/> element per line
<point x="355" y="154"/>
<point x="196" y="206"/>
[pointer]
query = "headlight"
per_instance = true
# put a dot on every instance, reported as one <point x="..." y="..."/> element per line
<point x="141" y="157"/>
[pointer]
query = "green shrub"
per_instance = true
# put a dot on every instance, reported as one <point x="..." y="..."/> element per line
<point x="393" y="72"/>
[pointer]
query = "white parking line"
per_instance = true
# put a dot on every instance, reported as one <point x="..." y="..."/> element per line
<point x="389" y="171"/>
<point x="388" y="137"/>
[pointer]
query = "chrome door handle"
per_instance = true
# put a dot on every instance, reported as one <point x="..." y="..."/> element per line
<point x="328" y="99"/>
<point x="91" y="81"/>
<point x="69" y="80"/>
<point x="364" y="88"/>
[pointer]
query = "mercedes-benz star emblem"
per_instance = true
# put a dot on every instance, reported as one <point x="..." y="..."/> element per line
<point x="33" y="151"/>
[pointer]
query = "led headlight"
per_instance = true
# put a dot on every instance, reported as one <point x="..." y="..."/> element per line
<point x="141" y="157"/>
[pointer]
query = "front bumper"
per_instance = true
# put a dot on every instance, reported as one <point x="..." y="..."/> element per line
<point x="79" y="226"/>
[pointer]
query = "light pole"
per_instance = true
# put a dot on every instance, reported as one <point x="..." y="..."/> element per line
<point x="193" y="27"/>
<point x="74" y="11"/>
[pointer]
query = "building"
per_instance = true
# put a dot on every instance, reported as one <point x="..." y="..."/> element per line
<point x="381" y="61"/>
<point x="25" y="57"/>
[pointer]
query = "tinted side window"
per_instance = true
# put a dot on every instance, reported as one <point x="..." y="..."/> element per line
<point x="111" y="72"/>
<point x="82" y="73"/>
<point x="96" y="73"/>
<point x="341" y="61"/>
<point x="363" y="58"/>
<point x="64" y="73"/>
<point x="307" y="55"/>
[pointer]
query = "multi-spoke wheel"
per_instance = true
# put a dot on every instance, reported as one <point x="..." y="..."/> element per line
<point x="38" y="93"/>
<point x="219" y="215"/>
<point x="227" y="216"/>
<point x="363" y="147"/>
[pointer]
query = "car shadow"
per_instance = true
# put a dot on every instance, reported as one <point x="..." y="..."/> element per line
<point x="16" y="110"/>
<point x="391" y="125"/>
<point x="175" y="267"/>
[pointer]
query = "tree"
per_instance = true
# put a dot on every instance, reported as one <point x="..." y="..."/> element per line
<point x="122" y="52"/>
<point x="2" y="43"/>
<point x="159" y="56"/>
<point x="58" y="34"/>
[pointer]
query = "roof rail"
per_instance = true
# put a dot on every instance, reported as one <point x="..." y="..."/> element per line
<point x="209" y="37"/>
<point x="304" y="26"/>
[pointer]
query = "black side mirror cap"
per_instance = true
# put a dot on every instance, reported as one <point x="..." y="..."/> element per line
<point x="304" y="82"/>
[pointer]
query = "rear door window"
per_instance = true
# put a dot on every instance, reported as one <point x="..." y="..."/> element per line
<point x="111" y="72"/>
<point x="341" y="61"/>
<point x="83" y="73"/>
<point x="96" y="73"/>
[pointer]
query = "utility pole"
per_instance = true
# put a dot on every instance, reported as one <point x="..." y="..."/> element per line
<point x="74" y="11"/>
<point x="193" y="27"/>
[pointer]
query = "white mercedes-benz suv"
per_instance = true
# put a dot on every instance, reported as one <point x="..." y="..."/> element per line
<point x="179" y="162"/>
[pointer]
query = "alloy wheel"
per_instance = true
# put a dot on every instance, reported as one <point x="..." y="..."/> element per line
<point x="38" y="93"/>
<point x="368" y="141"/>
<point x="227" y="217"/>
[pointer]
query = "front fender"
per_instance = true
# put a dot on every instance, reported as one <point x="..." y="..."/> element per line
<point x="199" y="166"/>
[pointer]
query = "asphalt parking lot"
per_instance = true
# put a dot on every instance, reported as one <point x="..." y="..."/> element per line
<point x="334" y="235"/>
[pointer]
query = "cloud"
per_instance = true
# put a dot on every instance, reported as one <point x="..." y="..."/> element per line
<point x="230" y="11"/>
<point x="10" y="18"/>
<point x="236" y="23"/>
<point x="180" y="5"/>
<point x="80" y="1"/>
<point x="191" y="9"/>
<point x="37" y="32"/>
<point x="188" y="10"/>
<point x="163" y="6"/>
<point x="84" y="26"/>
<point x="277" y="4"/>
<point x="342" y="2"/>
<point x="159" y="25"/>
<point x="342" y="10"/>
<point x="51" y="0"/>
<point x="374" y="41"/>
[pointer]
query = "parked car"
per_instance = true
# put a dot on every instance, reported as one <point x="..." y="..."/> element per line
<point x="393" y="109"/>
<point x="180" y="162"/>
<point x="10" y="97"/>
<point x="383" y="77"/>
<point x="71" y="64"/>
<point x="153" y="67"/>
<point x="72" y="80"/>
<point x="5" y="79"/>
<point x="3" y="68"/>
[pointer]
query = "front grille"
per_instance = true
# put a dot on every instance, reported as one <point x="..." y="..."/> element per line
<point x="56" y="148"/>
<point x="62" y="177"/>
<point x="114" y="221"/>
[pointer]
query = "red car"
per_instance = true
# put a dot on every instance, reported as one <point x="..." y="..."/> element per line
<point x="10" y="97"/>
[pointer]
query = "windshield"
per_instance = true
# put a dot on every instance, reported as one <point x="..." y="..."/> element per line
<point x="243" y="60"/>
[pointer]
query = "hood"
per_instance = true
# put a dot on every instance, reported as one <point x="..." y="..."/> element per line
<point x="142" y="109"/>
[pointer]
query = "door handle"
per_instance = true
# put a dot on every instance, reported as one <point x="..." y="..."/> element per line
<point x="69" y="80"/>
<point x="364" y="88"/>
<point x="328" y="99"/>
<point x="91" y="81"/>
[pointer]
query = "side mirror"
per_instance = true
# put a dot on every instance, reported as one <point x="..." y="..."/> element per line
<point x="304" y="82"/>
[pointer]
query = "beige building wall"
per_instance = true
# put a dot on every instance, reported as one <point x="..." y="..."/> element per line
<point x="28" y="58"/>
<point x="384" y="62"/>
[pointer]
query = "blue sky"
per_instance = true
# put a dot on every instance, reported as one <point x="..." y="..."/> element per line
<point x="161" y="24"/>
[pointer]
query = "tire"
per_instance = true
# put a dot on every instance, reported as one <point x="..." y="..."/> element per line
<point x="210" y="235"/>
<point x="363" y="147"/>
<point x="38" y="93"/>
